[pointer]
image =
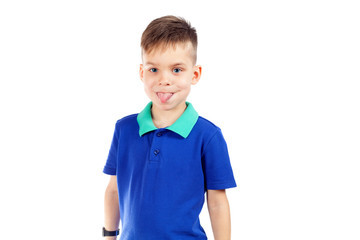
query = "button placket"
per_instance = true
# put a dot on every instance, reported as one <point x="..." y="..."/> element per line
<point x="156" y="151"/>
<point x="156" y="146"/>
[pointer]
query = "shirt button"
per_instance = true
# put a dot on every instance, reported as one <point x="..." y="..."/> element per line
<point x="159" y="134"/>
<point x="156" y="151"/>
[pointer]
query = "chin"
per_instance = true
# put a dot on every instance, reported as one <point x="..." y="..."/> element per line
<point x="164" y="106"/>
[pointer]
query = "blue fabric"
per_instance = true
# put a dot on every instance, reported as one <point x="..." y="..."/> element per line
<point x="162" y="178"/>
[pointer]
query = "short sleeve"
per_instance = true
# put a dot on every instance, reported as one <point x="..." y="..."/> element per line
<point x="110" y="166"/>
<point x="216" y="164"/>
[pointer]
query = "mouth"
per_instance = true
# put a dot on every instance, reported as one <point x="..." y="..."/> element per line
<point x="164" y="96"/>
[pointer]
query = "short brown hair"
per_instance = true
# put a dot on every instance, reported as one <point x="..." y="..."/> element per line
<point x="168" y="30"/>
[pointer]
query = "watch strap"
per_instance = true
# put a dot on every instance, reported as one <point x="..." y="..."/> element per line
<point x="107" y="233"/>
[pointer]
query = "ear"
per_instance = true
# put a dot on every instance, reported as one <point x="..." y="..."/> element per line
<point x="141" y="72"/>
<point x="196" y="74"/>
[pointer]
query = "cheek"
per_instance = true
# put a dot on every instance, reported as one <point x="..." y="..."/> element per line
<point x="147" y="80"/>
<point x="185" y="82"/>
<point x="148" y="87"/>
<point x="148" y="90"/>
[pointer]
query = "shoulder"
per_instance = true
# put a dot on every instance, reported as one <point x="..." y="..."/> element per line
<point x="212" y="138"/>
<point x="127" y="121"/>
<point x="206" y="129"/>
<point x="206" y="125"/>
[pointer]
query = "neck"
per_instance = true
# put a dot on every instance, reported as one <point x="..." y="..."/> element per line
<point x="165" y="118"/>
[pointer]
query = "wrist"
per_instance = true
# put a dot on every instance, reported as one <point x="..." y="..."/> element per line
<point x="110" y="234"/>
<point x="110" y="238"/>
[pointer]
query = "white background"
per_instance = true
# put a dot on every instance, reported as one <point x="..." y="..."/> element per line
<point x="281" y="79"/>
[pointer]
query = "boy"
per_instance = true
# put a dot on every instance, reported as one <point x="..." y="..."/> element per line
<point x="164" y="159"/>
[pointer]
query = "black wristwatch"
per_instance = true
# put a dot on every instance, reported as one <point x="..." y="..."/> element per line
<point x="107" y="233"/>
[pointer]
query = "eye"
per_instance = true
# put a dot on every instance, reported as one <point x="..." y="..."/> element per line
<point x="153" y="70"/>
<point x="177" y="70"/>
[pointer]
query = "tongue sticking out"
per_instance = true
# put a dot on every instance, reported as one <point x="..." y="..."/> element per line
<point x="164" y="97"/>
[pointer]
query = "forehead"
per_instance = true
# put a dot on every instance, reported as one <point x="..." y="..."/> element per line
<point x="167" y="53"/>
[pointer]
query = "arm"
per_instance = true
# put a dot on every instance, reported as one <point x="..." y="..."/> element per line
<point x="111" y="207"/>
<point x="219" y="212"/>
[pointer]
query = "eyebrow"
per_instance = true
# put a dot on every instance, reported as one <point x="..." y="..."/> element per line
<point x="149" y="63"/>
<point x="179" y="64"/>
<point x="173" y="65"/>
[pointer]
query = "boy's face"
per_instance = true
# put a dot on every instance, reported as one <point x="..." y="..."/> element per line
<point x="168" y="75"/>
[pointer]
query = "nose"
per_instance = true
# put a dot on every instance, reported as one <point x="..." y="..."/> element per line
<point x="164" y="80"/>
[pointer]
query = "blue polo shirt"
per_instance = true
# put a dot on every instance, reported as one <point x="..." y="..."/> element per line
<point x="163" y="173"/>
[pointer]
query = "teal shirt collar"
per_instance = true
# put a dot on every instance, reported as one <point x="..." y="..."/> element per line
<point x="182" y="126"/>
